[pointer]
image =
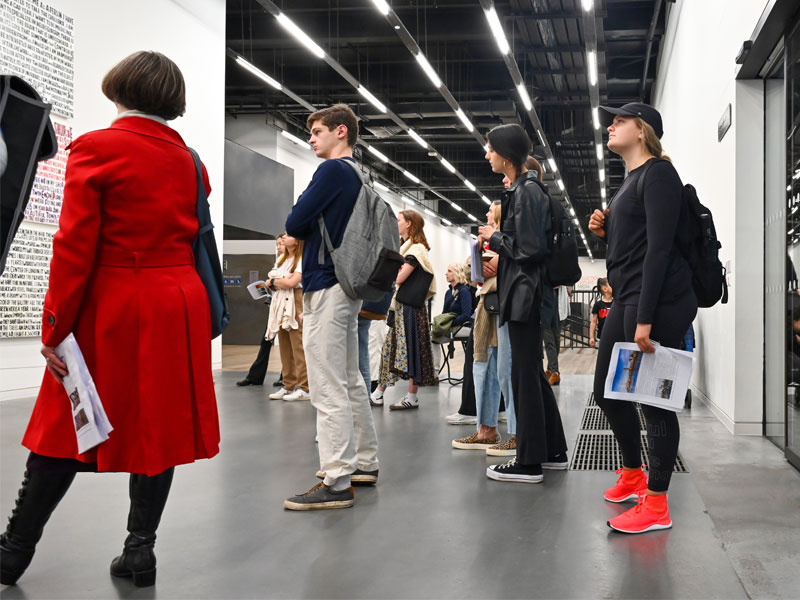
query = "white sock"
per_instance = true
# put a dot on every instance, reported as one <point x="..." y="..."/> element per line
<point x="377" y="395"/>
<point x="413" y="398"/>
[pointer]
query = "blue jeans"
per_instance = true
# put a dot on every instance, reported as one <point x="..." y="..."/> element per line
<point x="363" y="350"/>
<point x="487" y="389"/>
<point x="504" y="376"/>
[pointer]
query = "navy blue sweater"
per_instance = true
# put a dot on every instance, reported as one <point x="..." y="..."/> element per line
<point x="461" y="304"/>
<point x="332" y="192"/>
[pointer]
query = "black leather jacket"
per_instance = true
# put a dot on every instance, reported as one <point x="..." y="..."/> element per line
<point x="522" y="246"/>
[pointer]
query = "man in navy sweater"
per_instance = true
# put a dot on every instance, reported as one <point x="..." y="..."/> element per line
<point x="348" y="445"/>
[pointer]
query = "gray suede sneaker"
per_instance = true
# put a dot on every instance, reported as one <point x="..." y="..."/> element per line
<point x="321" y="497"/>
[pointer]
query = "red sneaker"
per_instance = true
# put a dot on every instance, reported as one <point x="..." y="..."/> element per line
<point x="650" y="514"/>
<point x="629" y="485"/>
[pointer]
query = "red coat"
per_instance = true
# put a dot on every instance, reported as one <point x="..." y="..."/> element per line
<point x="122" y="280"/>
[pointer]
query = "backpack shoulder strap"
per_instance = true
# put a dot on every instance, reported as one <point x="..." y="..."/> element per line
<point x="203" y="210"/>
<point x="326" y="238"/>
<point x="642" y="175"/>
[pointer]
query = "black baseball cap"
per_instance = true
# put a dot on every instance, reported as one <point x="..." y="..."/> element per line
<point x="645" y="112"/>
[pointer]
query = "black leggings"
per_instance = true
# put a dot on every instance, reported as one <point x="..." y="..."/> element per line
<point x="663" y="432"/>
<point x="540" y="434"/>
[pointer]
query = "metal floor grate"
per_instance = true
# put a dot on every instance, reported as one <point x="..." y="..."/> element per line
<point x="594" y="419"/>
<point x="591" y="401"/>
<point x="598" y="451"/>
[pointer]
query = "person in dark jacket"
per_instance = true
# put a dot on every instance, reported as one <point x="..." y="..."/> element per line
<point x="458" y="299"/>
<point x="521" y="243"/>
<point x="653" y="300"/>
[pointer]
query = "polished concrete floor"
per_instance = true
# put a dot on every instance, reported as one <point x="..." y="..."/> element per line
<point x="435" y="526"/>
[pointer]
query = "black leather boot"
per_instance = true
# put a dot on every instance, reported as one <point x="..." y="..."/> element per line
<point x="148" y="497"/>
<point x="39" y="495"/>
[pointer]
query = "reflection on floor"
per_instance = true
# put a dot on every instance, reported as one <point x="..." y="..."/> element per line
<point x="435" y="526"/>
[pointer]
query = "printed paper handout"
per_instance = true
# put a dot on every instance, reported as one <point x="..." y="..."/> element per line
<point x="659" y="379"/>
<point x="89" y="418"/>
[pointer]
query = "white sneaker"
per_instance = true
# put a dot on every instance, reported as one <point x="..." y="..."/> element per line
<point x="502" y="418"/>
<point x="297" y="396"/>
<point x="459" y="419"/>
<point x="405" y="404"/>
<point x="376" y="398"/>
<point x="279" y="394"/>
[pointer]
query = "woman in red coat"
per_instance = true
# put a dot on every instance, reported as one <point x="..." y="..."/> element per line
<point x="122" y="279"/>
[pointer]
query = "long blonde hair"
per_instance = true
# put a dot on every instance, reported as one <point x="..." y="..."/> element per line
<point x="497" y="211"/>
<point x="297" y="255"/>
<point x="651" y="141"/>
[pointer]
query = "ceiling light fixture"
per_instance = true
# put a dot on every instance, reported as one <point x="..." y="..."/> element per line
<point x="381" y="6"/>
<point x="497" y="30"/>
<point x="300" y="35"/>
<point x="473" y="217"/>
<point x="595" y="118"/>
<point x="486" y="200"/>
<point x="295" y="139"/>
<point x="380" y="186"/>
<point x="411" y="176"/>
<point x="599" y="151"/>
<point x="429" y="212"/>
<point x="378" y="153"/>
<point x="469" y="184"/>
<point x="602" y="192"/>
<point x="602" y="175"/>
<point x="591" y="61"/>
<point x="560" y="185"/>
<point x="456" y="206"/>
<point x="553" y="165"/>
<point x="372" y="99"/>
<point x="258" y="73"/>
<point x="446" y="222"/>
<point x="523" y="93"/>
<point x="464" y="119"/>
<point x="604" y="205"/>
<point x="416" y="137"/>
<point x="446" y="165"/>
<point x="587" y="4"/>
<point x="426" y="66"/>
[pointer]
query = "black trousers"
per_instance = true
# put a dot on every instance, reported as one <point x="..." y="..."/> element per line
<point x="468" y="407"/>
<point x="258" y="370"/>
<point x="670" y="324"/>
<point x="540" y="433"/>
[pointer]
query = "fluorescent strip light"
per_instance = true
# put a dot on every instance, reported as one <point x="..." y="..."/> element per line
<point x="473" y="217"/>
<point x="553" y="165"/>
<point x="469" y="184"/>
<point x="486" y="147"/>
<point x="447" y="165"/>
<point x="464" y="119"/>
<point x="575" y="221"/>
<point x="258" y="73"/>
<point x="295" y="139"/>
<point x="602" y="175"/>
<point x="429" y="212"/>
<point x="462" y="230"/>
<point x="587" y="4"/>
<point x="602" y="192"/>
<point x="372" y="99"/>
<point x="380" y="186"/>
<point x="523" y="93"/>
<point x="486" y="200"/>
<point x="560" y="185"/>
<point x="408" y="200"/>
<point x="591" y="61"/>
<point x="379" y="154"/>
<point x="572" y="211"/>
<point x="541" y="137"/>
<point x="383" y="7"/>
<point x="456" y="206"/>
<point x="411" y="176"/>
<point x="595" y="118"/>
<point x="605" y="205"/>
<point x="300" y="35"/>
<point x="599" y="151"/>
<point x="426" y="66"/>
<point x="415" y="136"/>
<point x="446" y="222"/>
<point x="497" y="30"/>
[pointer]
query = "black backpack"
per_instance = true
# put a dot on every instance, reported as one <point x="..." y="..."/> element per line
<point x="562" y="263"/>
<point x="697" y="241"/>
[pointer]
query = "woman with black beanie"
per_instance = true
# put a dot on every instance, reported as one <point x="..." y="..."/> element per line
<point x="521" y="243"/>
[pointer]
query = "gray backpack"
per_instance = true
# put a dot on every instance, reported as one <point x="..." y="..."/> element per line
<point x="367" y="260"/>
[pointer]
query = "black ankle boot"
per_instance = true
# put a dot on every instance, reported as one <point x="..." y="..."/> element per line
<point x="39" y="495"/>
<point x="148" y="497"/>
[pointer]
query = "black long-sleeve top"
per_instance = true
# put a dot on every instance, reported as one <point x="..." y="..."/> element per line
<point x="645" y="266"/>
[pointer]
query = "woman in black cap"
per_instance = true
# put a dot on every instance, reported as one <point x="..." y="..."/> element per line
<point x="653" y="300"/>
<point x="521" y="243"/>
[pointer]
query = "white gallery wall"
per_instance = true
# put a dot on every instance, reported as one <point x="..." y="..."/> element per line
<point x="448" y="245"/>
<point x="190" y="32"/>
<point x="695" y="83"/>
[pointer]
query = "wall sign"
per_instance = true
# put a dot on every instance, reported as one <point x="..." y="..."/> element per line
<point x="724" y="123"/>
<point x="47" y="193"/>
<point x="37" y="45"/>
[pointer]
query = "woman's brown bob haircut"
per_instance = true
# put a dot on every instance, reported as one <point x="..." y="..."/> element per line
<point x="148" y="82"/>
<point x="338" y="114"/>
